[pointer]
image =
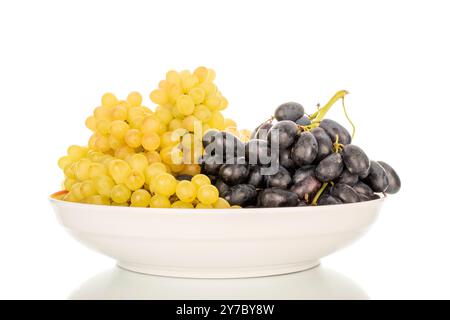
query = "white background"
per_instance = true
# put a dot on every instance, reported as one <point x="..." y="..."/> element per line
<point x="57" y="58"/>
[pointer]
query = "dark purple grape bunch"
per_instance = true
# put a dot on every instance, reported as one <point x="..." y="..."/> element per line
<point x="297" y="160"/>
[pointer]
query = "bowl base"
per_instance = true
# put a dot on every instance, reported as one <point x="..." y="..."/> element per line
<point x="226" y="273"/>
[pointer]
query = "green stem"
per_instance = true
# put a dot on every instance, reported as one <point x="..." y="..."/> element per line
<point x="348" y="118"/>
<point x="319" y="193"/>
<point x="317" y="116"/>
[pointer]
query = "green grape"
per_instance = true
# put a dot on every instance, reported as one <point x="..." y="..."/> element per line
<point x="221" y="203"/>
<point x="153" y="170"/>
<point x="135" y="180"/>
<point x="200" y="180"/>
<point x="186" y="191"/>
<point x="163" y="114"/>
<point x="103" y="185"/>
<point x="77" y="152"/>
<point x="182" y="205"/>
<point x="185" y="104"/>
<point x="119" y="170"/>
<point x="140" y="198"/>
<point x="76" y="191"/>
<point x="138" y="162"/>
<point x="133" y="138"/>
<point x="109" y="100"/>
<point x="134" y="99"/>
<point x="82" y="169"/>
<point x="98" y="199"/>
<point x="87" y="188"/>
<point x="207" y="194"/>
<point x="202" y="113"/>
<point x="159" y="201"/>
<point x="120" y="193"/>
<point x="151" y="141"/>
<point x="197" y="95"/>
<point x="65" y="161"/>
<point x="165" y="184"/>
<point x="97" y="169"/>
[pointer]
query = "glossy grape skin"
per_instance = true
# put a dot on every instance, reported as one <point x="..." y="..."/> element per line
<point x="275" y="197"/>
<point x="305" y="149"/>
<point x="330" y="168"/>
<point x="325" y="145"/>
<point x="289" y="111"/>
<point x="363" y="189"/>
<point x="255" y="177"/>
<point x="307" y="188"/>
<point x="326" y="199"/>
<point x="302" y="173"/>
<point x="377" y="179"/>
<point x="348" y="178"/>
<point x="241" y="195"/>
<point x="210" y="164"/>
<point x="212" y="178"/>
<point x="286" y="160"/>
<point x="232" y="145"/>
<point x="222" y="187"/>
<point x="210" y="136"/>
<point x="356" y="161"/>
<point x="233" y="174"/>
<point x="332" y="128"/>
<point x="345" y="193"/>
<point x="303" y="121"/>
<point x="282" y="179"/>
<point x="393" y="178"/>
<point x="286" y="131"/>
<point x="261" y="131"/>
<point x="257" y="151"/>
<point x="182" y="177"/>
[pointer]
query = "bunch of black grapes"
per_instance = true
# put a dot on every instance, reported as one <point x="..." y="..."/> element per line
<point x="316" y="165"/>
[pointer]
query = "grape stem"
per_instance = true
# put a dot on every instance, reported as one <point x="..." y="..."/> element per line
<point x="317" y="116"/>
<point x="319" y="193"/>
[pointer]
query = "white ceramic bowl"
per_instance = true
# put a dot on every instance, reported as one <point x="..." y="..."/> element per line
<point x="219" y="243"/>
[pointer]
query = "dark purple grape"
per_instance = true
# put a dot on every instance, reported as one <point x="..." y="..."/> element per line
<point x="325" y="146"/>
<point x="210" y="136"/>
<point x="257" y="151"/>
<point x="302" y="204"/>
<point x="285" y="131"/>
<point x="303" y="172"/>
<point x="182" y="177"/>
<point x="261" y="131"/>
<point x="232" y="145"/>
<point x="212" y="178"/>
<point x="393" y="178"/>
<point x="285" y="159"/>
<point x="345" y="193"/>
<point x="348" y="178"/>
<point x="275" y="197"/>
<point x="355" y="160"/>
<point x="303" y="121"/>
<point x="363" y="189"/>
<point x="255" y="177"/>
<point x="222" y="187"/>
<point x="326" y="200"/>
<point x="282" y="179"/>
<point x="210" y="164"/>
<point x="377" y="179"/>
<point x="330" y="168"/>
<point x="241" y="195"/>
<point x="305" y="149"/>
<point x="289" y="111"/>
<point x="332" y="128"/>
<point x="233" y="174"/>
<point x="307" y="188"/>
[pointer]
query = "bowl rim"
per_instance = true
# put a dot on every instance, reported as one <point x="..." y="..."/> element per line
<point x="213" y="212"/>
